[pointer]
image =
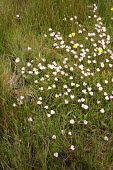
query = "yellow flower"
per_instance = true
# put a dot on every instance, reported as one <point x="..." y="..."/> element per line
<point x="73" y="34"/>
<point x="100" y="50"/>
<point x="75" y="46"/>
<point x="111" y="9"/>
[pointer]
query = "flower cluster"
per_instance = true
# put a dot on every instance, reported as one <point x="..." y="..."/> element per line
<point x="78" y="77"/>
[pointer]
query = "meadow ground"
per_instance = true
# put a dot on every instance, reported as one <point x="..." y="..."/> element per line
<point x="56" y="84"/>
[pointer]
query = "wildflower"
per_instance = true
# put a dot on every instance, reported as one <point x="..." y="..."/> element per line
<point x="14" y="105"/>
<point x="85" y="106"/>
<point x="30" y="119"/>
<point x="18" y="16"/>
<point x="45" y="107"/>
<point x="100" y="50"/>
<point x="29" y="48"/>
<point x="85" y="122"/>
<point x="45" y="35"/>
<point x="106" y="98"/>
<point x="48" y="115"/>
<point x="39" y="102"/>
<point x="75" y="45"/>
<point x="30" y="72"/>
<point x="91" y="93"/>
<point x="17" y="60"/>
<point x="98" y="101"/>
<point x="71" y="19"/>
<point x="52" y="112"/>
<point x="62" y="131"/>
<point x="106" y="138"/>
<point x="36" y="81"/>
<point x="62" y="42"/>
<point x="21" y="97"/>
<point x="28" y="64"/>
<point x="72" y="96"/>
<point x="56" y="154"/>
<point x="102" y="64"/>
<point x="66" y="101"/>
<point x="54" y="137"/>
<point x="72" y="147"/>
<point x="70" y="133"/>
<point x="112" y="9"/>
<point x="72" y="121"/>
<point x="100" y="88"/>
<point x="72" y="84"/>
<point x="73" y="34"/>
<point x="102" y="110"/>
<point x="50" y="29"/>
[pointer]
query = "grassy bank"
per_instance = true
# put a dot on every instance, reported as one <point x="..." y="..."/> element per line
<point x="56" y="85"/>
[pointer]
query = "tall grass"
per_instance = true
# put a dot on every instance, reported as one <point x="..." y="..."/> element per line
<point x="40" y="130"/>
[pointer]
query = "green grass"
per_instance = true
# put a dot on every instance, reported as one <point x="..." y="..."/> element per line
<point x="26" y="129"/>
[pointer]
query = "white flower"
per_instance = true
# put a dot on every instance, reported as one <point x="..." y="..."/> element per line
<point x="52" y="112"/>
<point x="14" y="105"/>
<point x="84" y="91"/>
<point x="62" y="42"/>
<point x="106" y="138"/>
<point x="106" y="98"/>
<point x="39" y="102"/>
<point x="45" y="107"/>
<point x="82" y="100"/>
<point x="72" y="121"/>
<point x="17" y="15"/>
<point x="77" y="85"/>
<point x="100" y="88"/>
<point x="84" y="84"/>
<point x="21" y="97"/>
<point x="50" y="29"/>
<point x="84" y="106"/>
<point x="36" y="81"/>
<point x="102" y="64"/>
<point x="30" y="119"/>
<point x="72" y="96"/>
<point x="30" y="72"/>
<point x="68" y="90"/>
<point x="62" y="131"/>
<point x="17" y="60"/>
<point x="28" y="64"/>
<point x="106" y="81"/>
<point x="98" y="85"/>
<point x="98" y="102"/>
<point x="52" y="34"/>
<point x="48" y="115"/>
<point x="91" y="93"/>
<point x="102" y="110"/>
<point x="72" y="147"/>
<point x="66" y="101"/>
<point x="97" y="69"/>
<point x="89" y="88"/>
<point x="72" y="84"/>
<point x="54" y="137"/>
<point x="65" y="86"/>
<point x="71" y="19"/>
<point x="85" y="122"/>
<point x="22" y="72"/>
<point x="70" y="133"/>
<point x="71" y="68"/>
<point x="49" y="87"/>
<point x="56" y="154"/>
<point x="29" y="48"/>
<point x="40" y="98"/>
<point x="45" y="35"/>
